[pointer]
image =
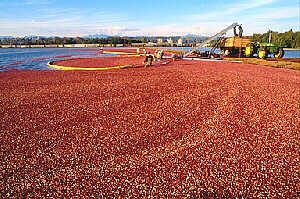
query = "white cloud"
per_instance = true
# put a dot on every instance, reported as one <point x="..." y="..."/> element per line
<point x="25" y="3"/>
<point x="175" y="30"/>
<point x="278" y="19"/>
<point x="36" y="2"/>
<point x="278" y="13"/>
<point x="230" y="10"/>
<point x="255" y="15"/>
<point x="236" y="8"/>
<point x="65" y="22"/>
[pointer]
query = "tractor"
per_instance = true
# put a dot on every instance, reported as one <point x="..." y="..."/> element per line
<point x="239" y="46"/>
<point x="263" y="50"/>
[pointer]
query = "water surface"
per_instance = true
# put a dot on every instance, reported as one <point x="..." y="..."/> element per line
<point x="37" y="58"/>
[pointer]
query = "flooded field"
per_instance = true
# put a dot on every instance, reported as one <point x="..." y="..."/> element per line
<point x="37" y="58"/>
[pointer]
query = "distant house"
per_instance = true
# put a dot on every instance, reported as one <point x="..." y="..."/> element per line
<point x="180" y="42"/>
<point x="149" y="44"/>
<point x="159" y="40"/>
<point x="170" y="41"/>
<point x="138" y="44"/>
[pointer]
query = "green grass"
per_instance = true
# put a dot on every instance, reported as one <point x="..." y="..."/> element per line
<point x="276" y="64"/>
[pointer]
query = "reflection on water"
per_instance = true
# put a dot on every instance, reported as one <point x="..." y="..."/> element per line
<point x="37" y="58"/>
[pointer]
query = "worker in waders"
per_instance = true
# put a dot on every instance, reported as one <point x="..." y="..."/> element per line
<point x="234" y="31"/>
<point x="155" y="55"/>
<point x="148" y="60"/>
<point x="174" y="57"/>
<point x="240" y="31"/>
<point x="162" y="54"/>
<point x="158" y="55"/>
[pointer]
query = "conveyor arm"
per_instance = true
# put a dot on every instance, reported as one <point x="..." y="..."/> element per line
<point x="220" y="34"/>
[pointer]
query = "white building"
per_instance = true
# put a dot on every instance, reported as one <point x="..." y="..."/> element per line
<point x="170" y="41"/>
<point x="159" y="40"/>
<point x="180" y="42"/>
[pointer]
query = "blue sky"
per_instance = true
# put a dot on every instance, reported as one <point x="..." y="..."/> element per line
<point x="153" y="17"/>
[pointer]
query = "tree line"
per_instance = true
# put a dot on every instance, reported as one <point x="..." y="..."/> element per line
<point x="287" y="39"/>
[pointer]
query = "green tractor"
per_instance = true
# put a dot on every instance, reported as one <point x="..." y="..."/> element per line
<point x="263" y="50"/>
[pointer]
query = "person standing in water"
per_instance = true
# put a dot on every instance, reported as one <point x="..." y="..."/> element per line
<point x="148" y="60"/>
<point x="161" y="54"/>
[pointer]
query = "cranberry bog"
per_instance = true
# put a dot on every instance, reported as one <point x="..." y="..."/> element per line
<point x="191" y="129"/>
<point x="288" y="63"/>
<point x="101" y="62"/>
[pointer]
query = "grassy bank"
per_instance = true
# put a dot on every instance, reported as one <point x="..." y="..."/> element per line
<point x="288" y="64"/>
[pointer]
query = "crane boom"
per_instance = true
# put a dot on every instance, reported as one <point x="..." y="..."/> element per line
<point x="219" y="34"/>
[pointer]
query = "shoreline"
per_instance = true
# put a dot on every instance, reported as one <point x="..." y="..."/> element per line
<point x="89" y="46"/>
<point x="291" y="49"/>
<point x="100" y="45"/>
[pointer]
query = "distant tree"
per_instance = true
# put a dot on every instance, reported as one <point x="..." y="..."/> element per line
<point x="66" y="40"/>
<point x="144" y="40"/>
<point x="287" y="39"/>
<point x="79" y="40"/>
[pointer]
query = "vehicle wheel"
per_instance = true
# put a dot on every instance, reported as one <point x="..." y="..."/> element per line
<point x="248" y="51"/>
<point x="262" y="54"/>
<point x="279" y="54"/>
<point x="227" y="53"/>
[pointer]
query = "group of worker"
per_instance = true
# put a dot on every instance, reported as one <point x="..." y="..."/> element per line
<point x="149" y="58"/>
<point x="240" y="34"/>
<point x="139" y="52"/>
<point x="156" y="56"/>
